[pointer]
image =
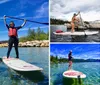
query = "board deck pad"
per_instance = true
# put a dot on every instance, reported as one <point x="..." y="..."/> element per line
<point x="20" y="65"/>
<point x="78" y="33"/>
<point x="73" y="74"/>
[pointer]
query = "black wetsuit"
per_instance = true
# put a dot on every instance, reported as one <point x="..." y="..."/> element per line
<point x="70" y="56"/>
<point x="13" y="40"/>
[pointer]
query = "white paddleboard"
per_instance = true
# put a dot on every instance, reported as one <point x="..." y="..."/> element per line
<point x="20" y="65"/>
<point x="73" y="74"/>
<point x="78" y="33"/>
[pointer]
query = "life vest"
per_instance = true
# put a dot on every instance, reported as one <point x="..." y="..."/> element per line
<point x="12" y="32"/>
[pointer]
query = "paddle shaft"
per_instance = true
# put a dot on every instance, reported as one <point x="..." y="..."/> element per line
<point x="82" y="23"/>
<point x="27" y="20"/>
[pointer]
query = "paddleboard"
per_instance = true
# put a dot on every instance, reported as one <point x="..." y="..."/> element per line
<point x="73" y="74"/>
<point x="20" y="65"/>
<point x="77" y="33"/>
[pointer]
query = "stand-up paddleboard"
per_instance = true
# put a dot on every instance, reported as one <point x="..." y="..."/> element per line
<point x="20" y="65"/>
<point x="73" y="74"/>
<point x="77" y="33"/>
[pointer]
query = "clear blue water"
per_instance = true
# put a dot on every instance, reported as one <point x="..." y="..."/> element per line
<point x="91" y="69"/>
<point x="54" y="38"/>
<point x="33" y="55"/>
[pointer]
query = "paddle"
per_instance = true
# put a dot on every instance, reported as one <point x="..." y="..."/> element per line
<point x="82" y="23"/>
<point x="27" y="20"/>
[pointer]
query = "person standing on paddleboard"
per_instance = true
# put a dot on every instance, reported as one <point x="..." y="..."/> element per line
<point x="70" y="60"/>
<point x="13" y="36"/>
<point x="74" y="22"/>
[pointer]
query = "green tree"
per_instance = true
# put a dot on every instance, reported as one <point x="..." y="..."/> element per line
<point x="38" y="33"/>
<point x="35" y="35"/>
<point x="31" y="34"/>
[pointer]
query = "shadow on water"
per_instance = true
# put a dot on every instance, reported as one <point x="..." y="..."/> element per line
<point x="34" y="76"/>
<point x="74" y="81"/>
<point x="78" y="38"/>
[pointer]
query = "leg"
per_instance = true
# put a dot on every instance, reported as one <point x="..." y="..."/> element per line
<point x="73" y="27"/>
<point x="10" y="44"/>
<point x="16" y="48"/>
<point x="70" y="65"/>
<point x="77" y="28"/>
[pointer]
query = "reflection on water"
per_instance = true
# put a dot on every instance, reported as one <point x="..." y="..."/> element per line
<point x="91" y="69"/>
<point x="69" y="81"/>
<point x="68" y="38"/>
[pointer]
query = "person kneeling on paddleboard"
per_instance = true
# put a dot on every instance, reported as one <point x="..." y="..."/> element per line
<point x="70" y="60"/>
<point x="13" y="36"/>
<point x="74" y="22"/>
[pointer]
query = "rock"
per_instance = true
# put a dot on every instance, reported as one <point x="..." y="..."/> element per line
<point x="35" y="43"/>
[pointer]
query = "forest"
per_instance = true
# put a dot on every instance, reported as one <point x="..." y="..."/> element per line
<point x="56" y="59"/>
<point x="35" y="35"/>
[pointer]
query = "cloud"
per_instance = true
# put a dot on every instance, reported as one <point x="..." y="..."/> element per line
<point x="3" y="32"/>
<point x="1" y="18"/>
<point x="24" y="4"/>
<point x="20" y="15"/>
<point x="42" y="11"/>
<point x="64" y="9"/>
<point x="4" y="1"/>
<point x="79" y="51"/>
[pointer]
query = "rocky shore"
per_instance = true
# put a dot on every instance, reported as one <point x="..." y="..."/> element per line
<point x="35" y="43"/>
<point x="90" y="25"/>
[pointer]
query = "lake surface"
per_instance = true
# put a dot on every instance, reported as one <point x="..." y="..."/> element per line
<point x="91" y="69"/>
<point x="68" y="38"/>
<point x="34" y="55"/>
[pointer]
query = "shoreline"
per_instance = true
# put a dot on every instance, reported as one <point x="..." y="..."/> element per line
<point x="80" y="27"/>
<point x="34" y="43"/>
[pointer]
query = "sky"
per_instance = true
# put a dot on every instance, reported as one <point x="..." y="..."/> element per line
<point x="64" y="9"/>
<point x="80" y="51"/>
<point x="36" y="10"/>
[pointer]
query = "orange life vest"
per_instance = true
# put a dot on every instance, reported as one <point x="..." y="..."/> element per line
<point x="12" y="32"/>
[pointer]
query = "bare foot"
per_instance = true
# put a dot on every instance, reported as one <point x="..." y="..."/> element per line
<point x="7" y="59"/>
<point x="72" y="31"/>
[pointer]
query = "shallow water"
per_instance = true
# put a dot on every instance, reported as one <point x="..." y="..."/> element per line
<point x="34" y="55"/>
<point x="91" y="69"/>
<point x="68" y="38"/>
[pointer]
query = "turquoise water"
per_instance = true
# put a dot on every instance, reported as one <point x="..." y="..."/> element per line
<point x="36" y="56"/>
<point x="91" y="69"/>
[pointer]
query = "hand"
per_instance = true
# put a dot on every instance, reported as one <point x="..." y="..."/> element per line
<point x="4" y="16"/>
<point x="78" y="12"/>
<point x="24" y="20"/>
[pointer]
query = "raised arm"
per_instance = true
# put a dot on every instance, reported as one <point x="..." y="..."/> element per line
<point x="5" y="22"/>
<point x="23" y="23"/>
<point x="78" y="13"/>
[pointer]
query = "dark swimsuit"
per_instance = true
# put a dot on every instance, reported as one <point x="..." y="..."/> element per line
<point x="70" y="56"/>
<point x="13" y="40"/>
